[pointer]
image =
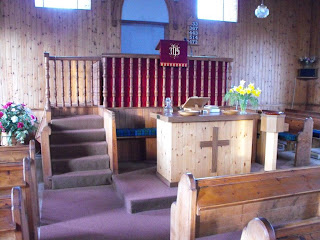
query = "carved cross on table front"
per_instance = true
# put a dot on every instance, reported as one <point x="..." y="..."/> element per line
<point x="215" y="143"/>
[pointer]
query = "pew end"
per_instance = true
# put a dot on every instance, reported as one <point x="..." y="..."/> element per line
<point x="262" y="229"/>
<point x="225" y="204"/>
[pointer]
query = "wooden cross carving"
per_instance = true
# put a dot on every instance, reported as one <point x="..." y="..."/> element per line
<point x="215" y="143"/>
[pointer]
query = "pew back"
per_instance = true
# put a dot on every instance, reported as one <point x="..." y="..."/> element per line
<point x="261" y="228"/>
<point x="13" y="215"/>
<point x="22" y="173"/>
<point x="225" y="204"/>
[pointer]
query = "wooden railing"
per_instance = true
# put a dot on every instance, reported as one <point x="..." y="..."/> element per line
<point x="70" y="81"/>
<point x="132" y="80"/>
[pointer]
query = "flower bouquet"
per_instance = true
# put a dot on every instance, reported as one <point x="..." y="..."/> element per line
<point x="307" y="61"/>
<point x="16" y="120"/>
<point x="242" y="95"/>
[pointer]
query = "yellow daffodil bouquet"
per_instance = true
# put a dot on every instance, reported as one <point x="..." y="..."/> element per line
<point x="242" y="95"/>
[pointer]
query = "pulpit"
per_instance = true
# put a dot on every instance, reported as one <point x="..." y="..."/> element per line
<point x="206" y="145"/>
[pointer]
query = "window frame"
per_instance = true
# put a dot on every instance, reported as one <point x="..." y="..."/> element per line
<point x="41" y="4"/>
<point x="223" y="13"/>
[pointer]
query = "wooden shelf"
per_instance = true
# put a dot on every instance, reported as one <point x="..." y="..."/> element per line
<point x="135" y="137"/>
<point x="307" y="78"/>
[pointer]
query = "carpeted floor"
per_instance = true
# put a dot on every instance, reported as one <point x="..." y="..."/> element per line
<point x="94" y="213"/>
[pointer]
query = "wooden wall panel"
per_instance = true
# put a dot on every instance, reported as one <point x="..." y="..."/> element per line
<point x="265" y="51"/>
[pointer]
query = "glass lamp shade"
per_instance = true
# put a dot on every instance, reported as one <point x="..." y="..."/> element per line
<point x="262" y="11"/>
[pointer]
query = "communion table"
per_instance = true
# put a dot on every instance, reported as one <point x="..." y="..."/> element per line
<point x="206" y="145"/>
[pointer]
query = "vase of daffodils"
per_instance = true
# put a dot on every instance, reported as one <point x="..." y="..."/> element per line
<point x="242" y="95"/>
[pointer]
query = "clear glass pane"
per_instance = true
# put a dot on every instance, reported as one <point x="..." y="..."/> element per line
<point x="231" y="10"/>
<point x="84" y="4"/>
<point x="70" y="4"/>
<point x="210" y="9"/>
<point x="38" y="3"/>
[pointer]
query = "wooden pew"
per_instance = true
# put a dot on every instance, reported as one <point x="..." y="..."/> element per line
<point x="261" y="228"/>
<point x="13" y="219"/>
<point x="23" y="174"/>
<point x="209" y="206"/>
<point x="303" y="128"/>
<point x="305" y="114"/>
<point x="135" y="148"/>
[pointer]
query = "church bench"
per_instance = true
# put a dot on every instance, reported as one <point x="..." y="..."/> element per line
<point x="302" y="129"/>
<point x="209" y="206"/>
<point x="22" y="173"/>
<point x="261" y="228"/>
<point x="13" y="218"/>
<point x="133" y="121"/>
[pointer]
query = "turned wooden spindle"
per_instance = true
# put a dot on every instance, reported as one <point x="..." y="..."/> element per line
<point x="148" y="83"/>
<point x="156" y="82"/>
<point x="195" y="78"/>
<point x="122" y="82"/>
<point x="216" y="84"/>
<point x="202" y="79"/>
<point x="209" y="81"/>
<point x="104" y="87"/>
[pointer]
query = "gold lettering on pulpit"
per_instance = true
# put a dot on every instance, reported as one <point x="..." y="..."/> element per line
<point x="174" y="50"/>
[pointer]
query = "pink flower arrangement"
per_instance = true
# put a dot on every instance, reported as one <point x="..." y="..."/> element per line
<point x="17" y="120"/>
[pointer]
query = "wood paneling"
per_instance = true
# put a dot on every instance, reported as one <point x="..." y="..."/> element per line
<point x="265" y="51"/>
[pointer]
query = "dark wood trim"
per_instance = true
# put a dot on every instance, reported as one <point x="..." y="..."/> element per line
<point x="165" y="181"/>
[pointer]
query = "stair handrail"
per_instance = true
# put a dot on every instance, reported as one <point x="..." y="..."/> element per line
<point x="46" y="156"/>
<point x="111" y="137"/>
<point x="45" y="120"/>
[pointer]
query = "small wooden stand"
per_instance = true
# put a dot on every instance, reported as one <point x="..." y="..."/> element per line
<point x="271" y="125"/>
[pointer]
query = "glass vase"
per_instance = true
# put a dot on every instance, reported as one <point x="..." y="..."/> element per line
<point x="243" y="106"/>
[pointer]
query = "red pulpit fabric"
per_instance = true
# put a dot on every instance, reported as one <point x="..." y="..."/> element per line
<point x="173" y="53"/>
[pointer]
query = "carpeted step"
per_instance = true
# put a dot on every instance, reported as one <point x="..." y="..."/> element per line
<point x="82" y="179"/>
<point x="76" y="136"/>
<point x="78" y="149"/>
<point x="77" y="122"/>
<point x="95" y="162"/>
<point x="150" y="193"/>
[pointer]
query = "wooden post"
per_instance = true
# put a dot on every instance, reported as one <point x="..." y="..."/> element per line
<point x="46" y="158"/>
<point x="47" y="77"/>
<point x="271" y="125"/>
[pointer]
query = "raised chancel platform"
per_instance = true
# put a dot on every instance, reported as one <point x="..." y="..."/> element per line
<point x="207" y="145"/>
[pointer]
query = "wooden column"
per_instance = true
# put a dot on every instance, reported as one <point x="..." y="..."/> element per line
<point x="271" y="125"/>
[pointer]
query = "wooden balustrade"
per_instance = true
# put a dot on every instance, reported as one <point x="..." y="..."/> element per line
<point x="72" y="81"/>
<point x="132" y="80"/>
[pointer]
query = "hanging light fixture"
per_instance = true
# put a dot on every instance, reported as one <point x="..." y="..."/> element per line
<point x="262" y="11"/>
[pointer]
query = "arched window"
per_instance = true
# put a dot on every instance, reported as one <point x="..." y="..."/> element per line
<point x="143" y="25"/>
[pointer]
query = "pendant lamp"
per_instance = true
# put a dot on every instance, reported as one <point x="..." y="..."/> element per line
<point x="262" y="11"/>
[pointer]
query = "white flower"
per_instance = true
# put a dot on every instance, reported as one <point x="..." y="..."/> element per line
<point x="242" y="82"/>
<point x="14" y="119"/>
<point x="13" y="109"/>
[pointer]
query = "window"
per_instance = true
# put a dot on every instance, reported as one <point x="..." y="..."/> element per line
<point x="219" y="10"/>
<point x="67" y="4"/>
<point x="143" y="25"/>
